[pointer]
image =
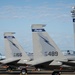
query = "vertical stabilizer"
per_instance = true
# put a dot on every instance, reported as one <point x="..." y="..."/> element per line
<point x="12" y="48"/>
<point x="43" y="45"/>
<point x="73" y="16"/>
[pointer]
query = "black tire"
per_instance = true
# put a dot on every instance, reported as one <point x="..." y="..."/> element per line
<point x="24" y="71"/>
<point x="55" y="73"/>
<point x="9" y="69"/>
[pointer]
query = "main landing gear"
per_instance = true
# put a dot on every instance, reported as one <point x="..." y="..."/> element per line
<point x="23" y="71"/>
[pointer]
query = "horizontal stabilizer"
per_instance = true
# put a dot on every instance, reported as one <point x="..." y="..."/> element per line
<point x="9" y="61"/>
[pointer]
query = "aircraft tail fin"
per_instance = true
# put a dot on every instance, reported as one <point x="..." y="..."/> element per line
<point x="12" y="48"/>
<point x="43" y="45"/>
<point x="73" y="16"/>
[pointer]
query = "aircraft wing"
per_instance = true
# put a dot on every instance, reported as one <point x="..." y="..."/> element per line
<point x="9" y="61"/>
<point x="69" y="63"/>
<point x="39" y="62"/>
<point x="44" y="63"/>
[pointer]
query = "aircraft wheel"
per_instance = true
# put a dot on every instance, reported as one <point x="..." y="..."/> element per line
<point x="9" y="69"/>
<point x="23" y="71"/>
<point x="39" y="69"/>
<point x="55" y="73"/>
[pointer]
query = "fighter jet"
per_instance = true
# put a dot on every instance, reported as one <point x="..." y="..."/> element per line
<point x="16" y="56"/>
